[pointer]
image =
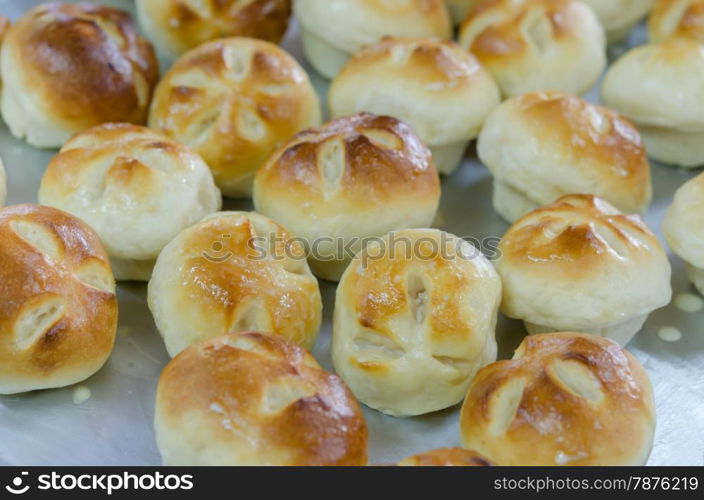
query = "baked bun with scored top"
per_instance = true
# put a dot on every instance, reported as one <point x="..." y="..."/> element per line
<point x="3" y="184"/>
<point x="619" y="17"/>
<point x="177" y="26"/>
<point x="446" y="457"/>
<point x="255" y="399"/>
<point x="460" y="8"/>
<point x="356" y="177"/>
<point x="581" y="265"/>
<point x="534" y="45"/>
<point x="544" y="145"/>
<point x="234" y="101"/>
<point x="234" y="272"/>
<point x="564" y="399"/>
<point x="335" y="29"/>
<point x="58" y="313"/>
<point x="67" y="67"/>
<point x="137" y="188"/>
<point x="436" y="87"/>
<point x="676" y="18"/>
<point x="415" y="318"/>
<point x="640" y="86"/>
<point x="684" y="228"/>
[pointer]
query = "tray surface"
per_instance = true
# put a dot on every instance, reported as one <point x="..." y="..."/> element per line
<point x="114" y="425"/>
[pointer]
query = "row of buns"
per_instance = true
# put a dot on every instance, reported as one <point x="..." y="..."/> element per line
<point x="255" y="399"/>
<point x="235" y="101"/>
<point x="414" y="332"/>
<point x="214" y="273"/>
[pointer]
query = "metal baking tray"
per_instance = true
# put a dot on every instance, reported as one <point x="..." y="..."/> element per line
<point x="107" y="420"/>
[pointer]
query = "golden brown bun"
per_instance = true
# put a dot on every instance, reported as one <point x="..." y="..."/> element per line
<point x="67" y="67"/>
<point x="534" y="45"/>
<point x="579" y="264"/>
<point x="58" y="312"/>
<point x="356" y="177"/>
<point x="333" y="30"/>
<point x="255" y="399"/>
<point x="436" y="87"/>
<point x="564" y="399"/>
<point x="544" y="145"/>
<point x="677" y="18"/>
<point x="415" y="318"/>
<point x="235" y="101"/>
<point x="234" y="272"/>
<point x="137" y="188"/>
<point x="176" y="26"/>
<point x="446" y="457"/>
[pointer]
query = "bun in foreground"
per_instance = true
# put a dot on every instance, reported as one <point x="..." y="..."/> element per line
<point x="58" y="315"/>
<point x="255" y="399"/>
<point x="564" y="399"/>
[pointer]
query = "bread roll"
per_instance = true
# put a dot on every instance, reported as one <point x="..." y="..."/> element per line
<point x="640" y="86"/>
<point x="436" y="87"/>
<point x="3" y="184"/>
<point x="460" y="8"/>
<point x="544" y="145"/>
<point x="335" y="29"/>
<point x="255" y="399"/>
<point x="58" y="313"/>
<point x="619" y="17"/>
<point x="355" y="178"/>
<point x="415" y="318"/>
<point x="564" y="399"/>
<point x="684" y="228"/>
<point x="67" y="67"/>
<point x="135" y="187"/>
<point x="235" y="101"/>
<point x="532" y="45"/>
<point x="234" y="272"/>
<point x="176" y="26"/>
<point x="446" y="457"/>
<point x="580" y="265"/>
<point x="676" y="18"/>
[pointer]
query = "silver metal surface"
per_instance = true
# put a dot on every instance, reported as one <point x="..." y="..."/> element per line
<point x="114" y="426"/>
